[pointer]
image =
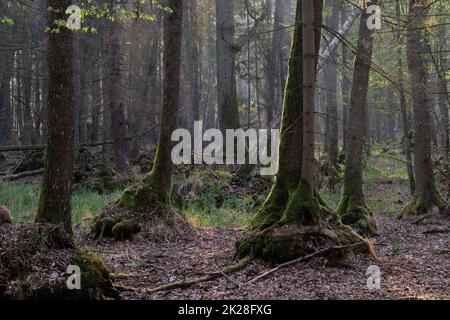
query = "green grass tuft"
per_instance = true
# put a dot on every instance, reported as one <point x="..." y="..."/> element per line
<point x="22" y="199"/>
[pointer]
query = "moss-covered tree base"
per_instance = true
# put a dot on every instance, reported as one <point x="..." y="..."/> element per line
<point x="357" y="215"/>
<point x="137" y="210"/>
<point x="423" y="205"/>
<point x="304" y="227"/>
<point x="32" y="267"/>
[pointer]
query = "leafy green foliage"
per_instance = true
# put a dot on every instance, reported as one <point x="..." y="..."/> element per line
<point x="214" y="199"/>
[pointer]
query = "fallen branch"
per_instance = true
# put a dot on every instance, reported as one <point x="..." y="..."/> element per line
<point x="436" y="230"/>
<point x="421" y="218"/>
<point x="331" y="47"/>
<point x="301" y="259"/>
<point x="442" y="251"/>
<point x="86" y="145"/>
<point x="21" y="175"/>
<point x="210" y="276"/>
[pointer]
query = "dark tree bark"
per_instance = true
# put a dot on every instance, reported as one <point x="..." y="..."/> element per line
<point x="26" y="100"/>
<point x="116" y="106"/>
<point x="332" y="119"/>
<point x="353" y="209"/>
<point x="193" y="56"/>
<point x="309" y="82"/>
<point x="6" y="60"/>
<point x="76" y="95"/>
<point x="154" y="191"/>
<point x="426" y="196"/>
<point x="55" y="198"/>
<point x="226" y="64"/>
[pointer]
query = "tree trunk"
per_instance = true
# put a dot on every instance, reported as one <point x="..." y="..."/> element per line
<point x="6" y="60"/>
<point x="294" y="216"/>
<point x="118" y="125"/>
<point x="353" y="209"/>
<point x="55" y="198"/>
<point x="346" y="81"/>
<point x="332" y="127"/>
<point x="226" y="64"/>
<point x="403" y="107"/>
<point x="192" y="53"/>
<point x="309" y="81"/>
<point x="426" y="196"/>
<point x="281" y="44"/>
<point x="154" y="191"/>
<point x="76" y="92"/>
<point x="444" y="102"/>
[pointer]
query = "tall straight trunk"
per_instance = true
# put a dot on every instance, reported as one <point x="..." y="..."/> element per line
<point x="444" y="100"/>
<point x="18" y="95"/>
<point x="6" y="60"/>
<point x="346" y="81"/>
<point x="403" y="106"/>
<point x="45" y="90"/>
<point x="156" y="187"/>
<point x="116" y="106"/>
<point x="97" y="101"/>
<point x="37" y="103"/>
<point x="154" y="92"/>
<point x="210" y="110"/>
<point x="56" y="192"/>
<point x="26" y="98"/>
<point x="270" y="74"/>
<point x="353" y="209"/>
<point x="332" y="119"/>
<point x="426" y="196"/>
<point x="76" y="91"/>
<point x="226" y="66"/>
<point x="304" y="221"/>
<point x="281" y="43"/>
<point x="309" y="81"/>
<point x="193" y="56"/>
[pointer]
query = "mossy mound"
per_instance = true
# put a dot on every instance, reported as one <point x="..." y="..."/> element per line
<point x="304" y="226"/>
<point x="125" y="230"/>
<point x="33" y="268"/>
<point x="140" y="198"/>
<point x="5" y="215"/>
<point x="276" y="245"/>
<point x="115" y="223"/>
<point x="358" y="216"/>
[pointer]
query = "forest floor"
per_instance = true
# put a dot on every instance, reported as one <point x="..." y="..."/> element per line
<point x="414" y="258"/>
<point x="411" y="268"/>
<point x="414" y="264"/>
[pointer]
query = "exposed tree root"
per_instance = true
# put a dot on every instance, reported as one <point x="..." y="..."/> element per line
<point x="423" y="205"/>
<point x="305" y="225"/>
<point x="305" y="258"/>
<point x="357" y="215"/>
<point x="187" y="283"/>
